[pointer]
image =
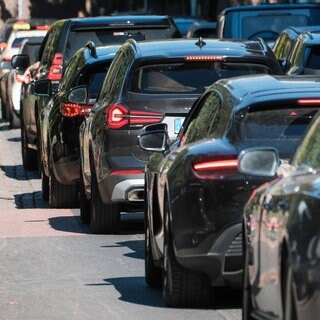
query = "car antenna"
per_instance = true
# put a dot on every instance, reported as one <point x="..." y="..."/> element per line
<point x="92" y="47"/>
<point x="200" y="43"/>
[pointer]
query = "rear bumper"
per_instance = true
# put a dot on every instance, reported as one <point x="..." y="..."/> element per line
<point x="223" y="262"/>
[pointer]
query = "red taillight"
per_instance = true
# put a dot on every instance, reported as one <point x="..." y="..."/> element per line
<point x="55" y="71"/>
<point x="309" y="101"/>
<point x="19" y="77"/>
<point x="128" y="171"/>
<point x="215" y="165"/>
<point x="118" y="116"/>
<point x="204" y="58"/>
<point x="7" y="58"/>
<point x="71" y="110"/>
<point x="43" y="27"/>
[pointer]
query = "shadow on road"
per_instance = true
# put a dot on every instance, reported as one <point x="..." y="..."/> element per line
<point x="137" y="246"/>
<point x="71" y="224"/>
<point x="135" y="290"/>
<point x="30" y="200"/>
<point x="17" y="172"/>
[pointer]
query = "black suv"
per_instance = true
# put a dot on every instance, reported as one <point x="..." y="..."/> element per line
<point x="61" y="120"/>
<point x="150" y="82"/>
<point x="64" y="38"/>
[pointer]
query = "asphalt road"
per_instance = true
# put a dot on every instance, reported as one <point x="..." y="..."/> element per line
<point x="52" y="267"/>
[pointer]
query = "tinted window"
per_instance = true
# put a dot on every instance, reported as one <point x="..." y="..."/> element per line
<point x="282" y="124"/>
<point x="255" y="26"/>
<point x="187" y="77"/>
<point x="205" y="120"/>
<point x="17" y="42"/>
<point x="313" y="60"/>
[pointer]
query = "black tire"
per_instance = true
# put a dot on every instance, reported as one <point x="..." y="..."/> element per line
<point x="182" y="287"/>
<point x="84" y="203"/>
<point x="104" y="218"/>
<point x="29" y="156"/>
<point x="44" y="185"/>
<point x="246" y="291"/>
<point x="14" y="120"/>
<point x="62" y="196"/>
<point x="288" y="295"/>
<point x="153" y="274"/>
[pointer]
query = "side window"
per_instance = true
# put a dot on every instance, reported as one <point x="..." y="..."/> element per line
<point x="309" y="151"/>
<point x="51" y="45"/>
<point x="297" y="54"/>
<point x="116" y="75"/>
<point x="206" y="119"/>
<point x="282" y="46"/>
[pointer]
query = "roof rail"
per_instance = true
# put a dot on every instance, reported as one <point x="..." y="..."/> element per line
<point x="92" y="47"/>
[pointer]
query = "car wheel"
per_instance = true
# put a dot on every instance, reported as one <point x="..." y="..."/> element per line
<point x="104" y="218"/>
<point x="153" y="274"/>
<point x="84" y="203"/>
<point x="44" y="185"/>
<point x="288" y="295"/>
<point x="246" y="293"/>
<point x="181" y="287"/>
<point x="14" y="121"/>
<point x="62" y="196"/>
<point x="29" y="156"/>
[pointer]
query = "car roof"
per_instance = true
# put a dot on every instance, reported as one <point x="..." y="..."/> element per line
<point x="275" y="6"/>
<point x="310" y="37"/>
<point x="105" y="22"/>
<point x="181" y="47"/>
<point x="301" y="29"/>
<point x="267" y="88"/>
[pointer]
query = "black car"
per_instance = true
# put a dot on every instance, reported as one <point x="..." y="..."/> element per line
<point x="62" y="118"/>
<point x="150" y="82"/>
<point x="64" y="38"/>
<point x="195" y="194"/>
<point x="281" y="232"/>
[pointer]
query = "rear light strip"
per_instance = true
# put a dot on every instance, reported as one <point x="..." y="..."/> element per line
<point x="126" y="172"/>
<point x="55" y="71"/>
<point x="204" y="58"/>
<point x="309" y="101"/>
<point x="118" y="116"/>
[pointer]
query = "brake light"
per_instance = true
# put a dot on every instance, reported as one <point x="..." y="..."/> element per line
<point x="215" y="165"/>
<point x="308" y="101"/>
<point x="71" y="110"/>
<point x="43" y="27"/>
<point x="204" y="58"/>
<point x="126" y="172"/>
<point x="118" y="116"/>
<point x="55" y="71"/>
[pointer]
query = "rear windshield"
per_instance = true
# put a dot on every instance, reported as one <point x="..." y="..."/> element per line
<point x="269" y="26"/>
<point x="17" y="42"/>
<point x="283" y="124"/>
<point x="187" y="77"/>
<point x="78" y="39"/>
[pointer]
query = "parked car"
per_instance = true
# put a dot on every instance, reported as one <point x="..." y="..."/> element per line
<point x="284" y="43"/>
<point x="266" y="20"/>
<point x="13" y="46"/>
<point x="281" y="232"/>
<point x="194" y="192"/>
<point x="63" y="115"/>
<point x="150" y="82"/>
<point x="29" y="47"/>
<point x="67" y="36"/>
<point x="305" y="54"/>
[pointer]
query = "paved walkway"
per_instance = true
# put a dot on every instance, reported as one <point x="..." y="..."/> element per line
<point x="18" y="188"/>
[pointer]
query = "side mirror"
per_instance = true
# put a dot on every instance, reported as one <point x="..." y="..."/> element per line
<point x="154" y="141"/>
<point x="78" y="95"/>
<point x="42" y="88"/>
<point x="20" y="62"/>
<point x="259" y="162"/>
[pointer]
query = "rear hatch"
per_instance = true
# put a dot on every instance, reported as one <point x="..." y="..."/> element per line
<point x="169" y="87"/>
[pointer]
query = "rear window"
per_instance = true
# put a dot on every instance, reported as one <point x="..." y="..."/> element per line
<point x="282" y="124"/>
<point x="187" y="77"/>
<point x="259" y="25"/>
<point x="313" y="60"/>
<point x="17" y="42"/>
<point x="78" y="39"/>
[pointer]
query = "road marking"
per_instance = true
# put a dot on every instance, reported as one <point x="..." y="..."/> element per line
<point x="15" y="223"/>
